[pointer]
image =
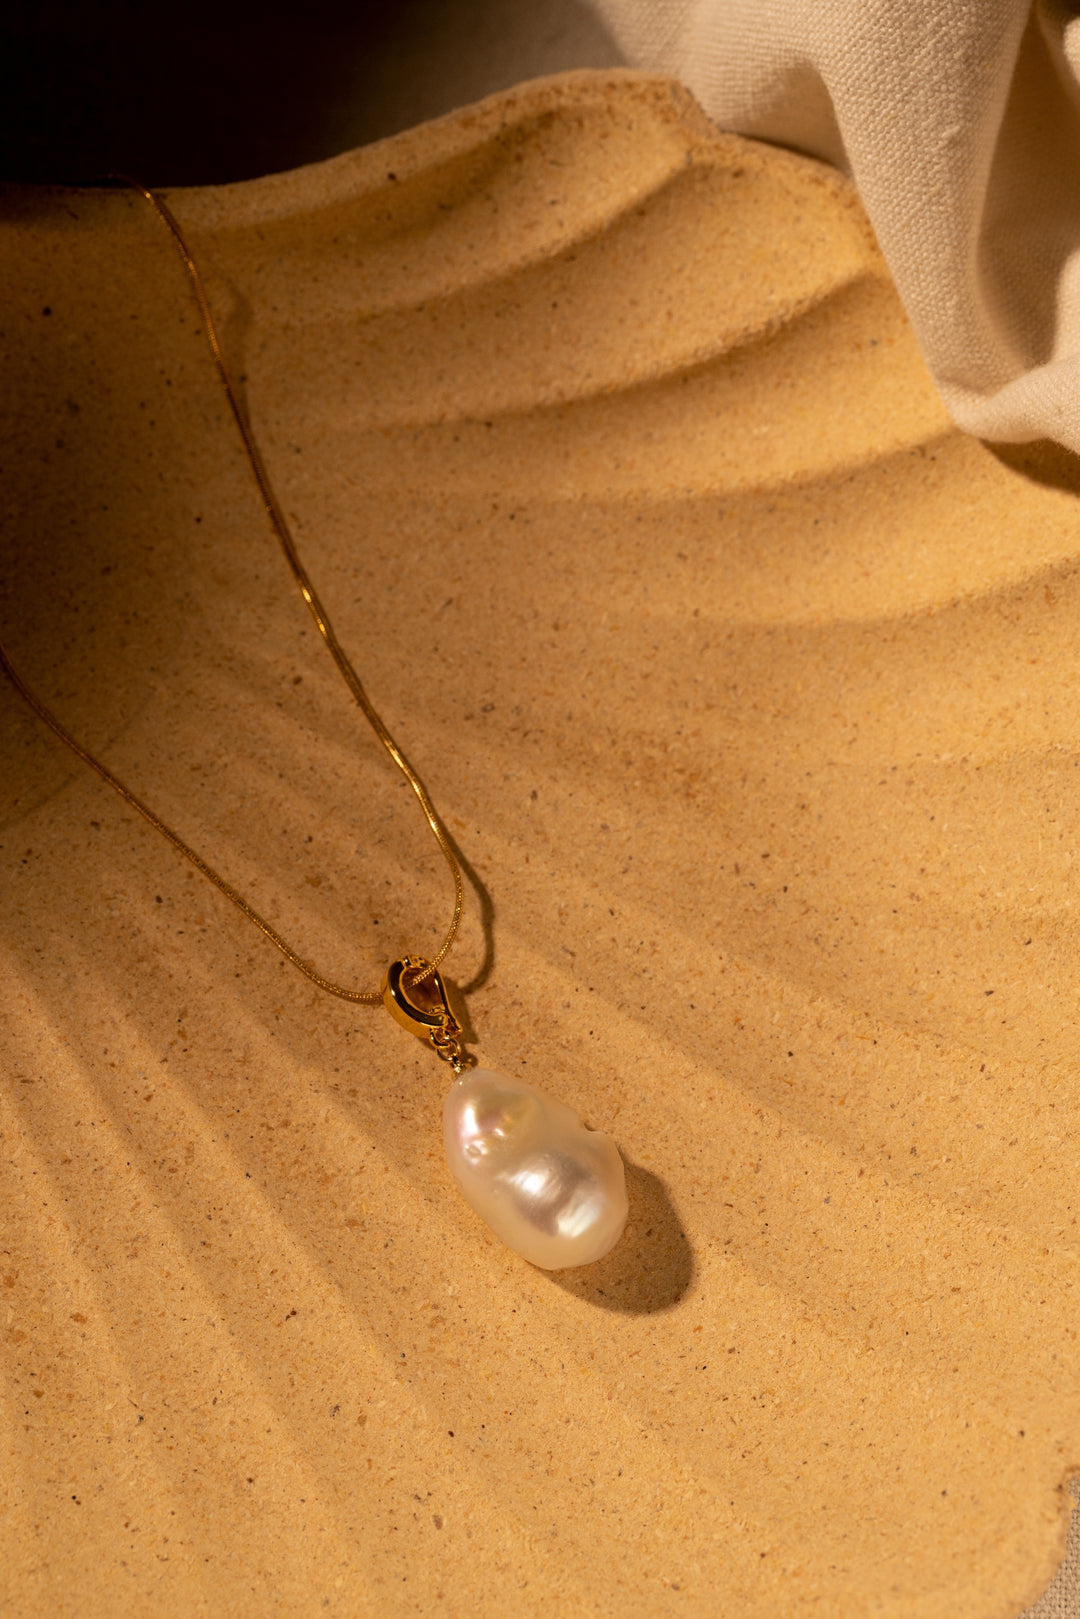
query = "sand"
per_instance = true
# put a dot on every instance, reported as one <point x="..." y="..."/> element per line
<point x="749" y="687"/>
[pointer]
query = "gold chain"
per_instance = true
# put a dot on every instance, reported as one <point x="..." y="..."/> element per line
<point x="326" y="630"/>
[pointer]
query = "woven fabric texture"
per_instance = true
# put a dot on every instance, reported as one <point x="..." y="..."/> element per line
<point x="959" y="121"/>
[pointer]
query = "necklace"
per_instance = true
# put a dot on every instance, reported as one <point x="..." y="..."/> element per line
<point x="553" y="1190"/>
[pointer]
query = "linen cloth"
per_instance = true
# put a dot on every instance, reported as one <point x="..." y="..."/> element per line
<point x="959" y="121"/>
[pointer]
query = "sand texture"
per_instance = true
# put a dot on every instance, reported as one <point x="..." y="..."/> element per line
<point x="750" y="688"/>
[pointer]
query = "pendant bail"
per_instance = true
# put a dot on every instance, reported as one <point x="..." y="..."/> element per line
<point x="420" y="1005"/>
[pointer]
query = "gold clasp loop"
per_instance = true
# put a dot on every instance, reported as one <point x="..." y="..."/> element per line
<point x="420" y="1006"/>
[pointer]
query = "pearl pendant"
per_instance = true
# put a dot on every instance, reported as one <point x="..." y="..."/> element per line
<point x="554" y="1191"/>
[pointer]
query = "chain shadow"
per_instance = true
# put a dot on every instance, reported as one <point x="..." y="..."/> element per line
<point x="486" y="907"/>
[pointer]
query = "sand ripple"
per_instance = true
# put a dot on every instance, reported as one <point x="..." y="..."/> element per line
<point x="748" y="686"/>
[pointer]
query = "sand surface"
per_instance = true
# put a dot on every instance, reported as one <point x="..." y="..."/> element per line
<point x="750" y="688"/>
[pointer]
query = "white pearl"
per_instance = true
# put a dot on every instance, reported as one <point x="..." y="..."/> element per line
<point x="553" y="1190"/>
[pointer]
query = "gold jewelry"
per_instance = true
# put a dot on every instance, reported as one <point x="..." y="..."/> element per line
<point x="553" y="1190"/>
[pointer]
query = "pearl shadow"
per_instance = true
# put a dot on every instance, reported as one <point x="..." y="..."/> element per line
<point x="650" y="1268"/>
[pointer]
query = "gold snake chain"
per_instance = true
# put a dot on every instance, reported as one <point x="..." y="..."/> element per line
<point x="326" y="630"/>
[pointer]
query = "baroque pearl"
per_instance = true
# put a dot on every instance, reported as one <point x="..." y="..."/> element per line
<point x="553" y="1190"/>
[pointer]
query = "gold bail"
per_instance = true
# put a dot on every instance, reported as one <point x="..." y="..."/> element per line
<point x="420" y="1007"/>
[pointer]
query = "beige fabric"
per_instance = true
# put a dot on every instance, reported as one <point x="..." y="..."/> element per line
<point x="1061" y="1599"/>
<point x="960" y="123"/>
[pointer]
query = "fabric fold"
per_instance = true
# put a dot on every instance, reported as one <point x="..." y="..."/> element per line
<point x="959" y="121"/>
